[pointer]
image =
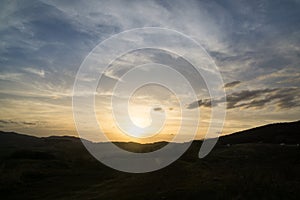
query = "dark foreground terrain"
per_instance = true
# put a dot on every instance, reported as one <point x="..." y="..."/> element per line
<point x="261" y="163"/>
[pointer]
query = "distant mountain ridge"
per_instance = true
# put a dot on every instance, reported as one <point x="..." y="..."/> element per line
<point x="278" y="133"/>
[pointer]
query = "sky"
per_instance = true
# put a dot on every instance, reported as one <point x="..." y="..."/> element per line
<point x="255" y="45"/>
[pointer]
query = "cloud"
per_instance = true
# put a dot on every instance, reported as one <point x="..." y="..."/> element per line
<point x="8" y="122"/>
<point x="157" y="109"/>
<point x="282" y="98"/>
<point x="10" y="76"/>
<point x="199" y="103"/>
<point x="12" y="122"/>
<point x="232" y="84"/>
<point x="39" y="72"/>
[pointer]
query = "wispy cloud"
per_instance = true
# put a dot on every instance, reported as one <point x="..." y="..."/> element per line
<point x="10" y="76"/>
<point x="19" y="123"/>
<point x="282" y="98"/>
<point x="232" y="84"/>
<point x="39" y="72"/>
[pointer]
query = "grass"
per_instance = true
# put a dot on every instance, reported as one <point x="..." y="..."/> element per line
<point x="245" y="171"/>
<point x="254" y="166"/>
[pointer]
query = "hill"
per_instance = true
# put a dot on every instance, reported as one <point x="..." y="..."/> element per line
<point x="287" y="133"/>
<point x="255" y="166"/>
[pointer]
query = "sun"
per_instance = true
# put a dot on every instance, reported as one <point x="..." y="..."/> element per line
<point x="140" y="121"/>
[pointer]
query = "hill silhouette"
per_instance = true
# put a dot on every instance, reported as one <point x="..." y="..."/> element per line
<point x="255" y="165"/>
<point x="287" y="133"/>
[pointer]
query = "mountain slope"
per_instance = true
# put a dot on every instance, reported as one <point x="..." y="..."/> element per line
<point x="288" y="133"/>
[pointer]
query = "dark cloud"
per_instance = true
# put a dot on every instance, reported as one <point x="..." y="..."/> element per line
<point x="232" y="84"/>
<point x="242" y="98"/>
<point x="29" y="123"/>
<point x="283" y="98"/>
<point x="157" y="109"/>
<point x="7" y="122"/>
<point x="199" y="103"/>
<point x="11" y="122"/>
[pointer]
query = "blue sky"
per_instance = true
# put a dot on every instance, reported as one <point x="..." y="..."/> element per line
<point x="255" y="44"/>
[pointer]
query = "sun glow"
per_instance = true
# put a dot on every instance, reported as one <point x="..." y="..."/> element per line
<point x="139" y="116"/>
<point x="136" y="132"/>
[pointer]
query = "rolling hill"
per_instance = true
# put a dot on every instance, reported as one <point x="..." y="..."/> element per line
<point x="287" y="133"/>
<point x="253" y="166"/>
